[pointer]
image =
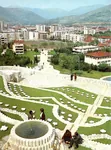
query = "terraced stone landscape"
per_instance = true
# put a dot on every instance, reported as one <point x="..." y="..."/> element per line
<point x="83" y="105"/>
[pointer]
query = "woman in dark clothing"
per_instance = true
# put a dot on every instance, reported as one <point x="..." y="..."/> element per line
<point x="42" y="115"/>
<point x="67" y="137"/>
<point x="30" y="116"/>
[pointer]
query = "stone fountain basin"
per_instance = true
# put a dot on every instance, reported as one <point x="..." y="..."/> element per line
<point x="31" y="130"/>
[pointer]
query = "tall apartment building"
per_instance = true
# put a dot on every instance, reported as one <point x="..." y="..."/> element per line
<point x="1" y="26"/>
<point x="89" y="30"/>
<point x="40" y="28"/>
<point x="55" y="27"/>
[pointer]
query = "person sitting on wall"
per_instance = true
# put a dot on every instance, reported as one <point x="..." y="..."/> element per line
<point x="31" y="115"/>
<point x="76" y="139"/>
<point x="42" y="115"/>
<point x="66" y="137"/>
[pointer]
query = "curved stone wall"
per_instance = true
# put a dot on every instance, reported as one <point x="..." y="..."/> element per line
<point x="43" y="143"/>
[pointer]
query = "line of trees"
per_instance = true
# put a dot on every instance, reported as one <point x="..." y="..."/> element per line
<point x="65" y="59"/>
<point x="10" y="58"/>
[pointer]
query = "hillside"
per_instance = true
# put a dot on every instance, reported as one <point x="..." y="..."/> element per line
<point x="84" y="9"/>
<point x="98" y="15"/>
<point x="49" y="13"/>
<point x="19" y="16"/>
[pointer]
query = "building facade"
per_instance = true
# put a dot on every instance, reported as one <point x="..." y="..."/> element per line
<point x="99" y="57"/>
<point x="18" y="47"/>
<point x="85" y="49"/>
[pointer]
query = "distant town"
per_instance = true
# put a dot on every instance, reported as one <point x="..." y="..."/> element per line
<point x="93" y="38"/>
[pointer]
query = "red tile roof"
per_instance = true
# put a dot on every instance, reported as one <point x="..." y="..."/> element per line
<point x="103" y="44"/>
<point x="105" y="37"/>
<point x="19" y="41"/>
<point x="102" y="28"/>
<point x="88" y="39"/>
<point x="99" y="54"/>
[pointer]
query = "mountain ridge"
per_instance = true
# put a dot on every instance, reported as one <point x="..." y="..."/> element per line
<point x="98" y="15"/>
<point x="27" y="17"/>
<point x="51" y="13"/>
<point x="19" y="16"/>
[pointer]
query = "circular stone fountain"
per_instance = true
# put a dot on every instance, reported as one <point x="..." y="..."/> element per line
<point x="31" y="135"/>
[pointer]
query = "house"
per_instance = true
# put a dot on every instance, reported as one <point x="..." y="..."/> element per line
<point x="98" y="57"/>
<point x="85" y="49"/>
<point x="18" y="47"/>
<point x="103" y="39"/>
<point x="88" y="39"/>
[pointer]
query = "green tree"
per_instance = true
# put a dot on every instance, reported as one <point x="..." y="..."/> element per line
<point x="104" y="67"/>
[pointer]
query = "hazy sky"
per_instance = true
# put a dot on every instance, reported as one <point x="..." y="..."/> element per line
<point x="64" y="4"/>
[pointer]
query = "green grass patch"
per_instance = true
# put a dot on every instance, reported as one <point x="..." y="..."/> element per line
<point x="2" y="85"/>
<point x="103" y="111"/>
<point x="13" y="116"/>
<point x="31" y="54"/>
<point x="92" y="119"/>
<point x="51" y="52"/>
<point x="67" y="112"/>
<point x="7" y="132"/>
<point x="31" y="106"/>
<point x="103" y="141"/>
<point x="83" y="148"/>
<point x="96" y="130"/>
<point x="106" y="102"/>
<point x="77" y="93"/>
<point x="42" y="93"/>
<point x="92" y="74"/>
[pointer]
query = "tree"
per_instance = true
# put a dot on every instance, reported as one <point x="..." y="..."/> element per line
<point x="55" y="59"/>
<point x="36" y="59"/>
<point x="94" y="42"/>
<point x="104" y="67"/>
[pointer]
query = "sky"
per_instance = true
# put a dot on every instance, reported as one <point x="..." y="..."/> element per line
<point x="64" y="4"/>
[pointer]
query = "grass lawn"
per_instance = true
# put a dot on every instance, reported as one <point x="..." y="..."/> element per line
<point x="78" y="94"/>
<point x="103" y="111"/>
<point x="7" y="132"/>
<point x="92" y="119"/>
<point x="42" y="93"/>
<point x="92" y="74"/>
<point x="32" y="92"/>
<point x="83" y="148"/>
<point x="31" y="54"/>
<point x="31" y="106"/>
<point x="96" y="130"/>
<point x="67" y="112"/>
<point x="106" y="102"/>
<point x="48" y="44"/>
<point x="13" y="116"/>
<point x="51" y="52"/>
<point x="2" y="85"/>
<point x="104" y="141"/>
